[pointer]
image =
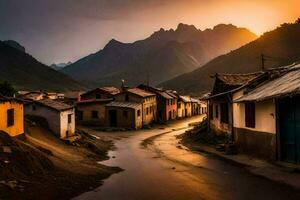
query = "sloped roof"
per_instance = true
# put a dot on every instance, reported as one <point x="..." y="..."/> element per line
<point x="185" y="98"/>
<point x="287" y="84"/>
<point x="94" y="101"/>
<point x="122" y="104"/>
<point x="165" y="95"/>
<point x="111" y="90"/>
<point x="5" y="99"/>
<point x="56" y="105"/>
<point x="140" y="92"/>
<point x="236" y="79"/>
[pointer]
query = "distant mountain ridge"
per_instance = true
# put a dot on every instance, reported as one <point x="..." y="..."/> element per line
<point x="60" y="66"/>
<point x="163" y="55"/>
<point x="280" y="47"/>
<point x="26" y="73"/>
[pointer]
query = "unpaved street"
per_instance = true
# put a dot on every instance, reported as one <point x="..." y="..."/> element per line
<point x="157" y="167"/>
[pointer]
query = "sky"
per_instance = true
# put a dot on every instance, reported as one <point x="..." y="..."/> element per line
<point x="55" y="31"/>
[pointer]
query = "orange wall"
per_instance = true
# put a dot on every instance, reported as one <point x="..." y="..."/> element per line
<point x="18" y="127"/>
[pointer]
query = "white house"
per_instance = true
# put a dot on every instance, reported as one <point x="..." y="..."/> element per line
<point x="60" y="116"/>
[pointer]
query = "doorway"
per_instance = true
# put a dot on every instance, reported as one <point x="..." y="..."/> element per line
<point x="113" y="118"/>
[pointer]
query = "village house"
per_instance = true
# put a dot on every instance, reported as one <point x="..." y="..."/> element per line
<point x="60" y="116"/>
<point x="220" y="114"/>
<point x="124" y="115"/>
<point x="267" y="115"/>
<point x="91" y="112"/>
<point x="196" y="106"/>
<point x="184" y="107"/>
<point x="166" y="103"/>
<point x="34" y="95"/>
<point x="11" y="116"/>
<point x="147" y="99"/>
<point x="100" y="93"/>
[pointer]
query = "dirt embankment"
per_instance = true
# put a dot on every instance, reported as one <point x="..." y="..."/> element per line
<point x="41" y="166"/>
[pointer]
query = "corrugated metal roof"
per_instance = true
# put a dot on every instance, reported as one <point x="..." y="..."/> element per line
<point x="140" y="92"/>
<point x="123" y="104"/>
<point x="54" y="104"/>
<point x="286" y="84"/>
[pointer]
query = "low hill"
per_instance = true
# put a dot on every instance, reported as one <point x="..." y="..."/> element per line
<point x="280" y="47"/>
<point x="163" y="55"/>
<point x="26" y="73"/>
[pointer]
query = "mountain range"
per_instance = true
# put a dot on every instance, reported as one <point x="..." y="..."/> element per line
<point x="280" y="47"/>
<point x="60" y="66"/>
<point x="160" y="57"/>
<point x="26" y="73"/>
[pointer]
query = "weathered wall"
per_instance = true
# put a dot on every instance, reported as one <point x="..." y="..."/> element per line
<point x="171" y="107"/>
<point x="18" y="127"/>
<point x="52" y="116"/>
<point x="147" y="102"/>
<point x="215" y="124"/>
<point x="131" y="121"/>
<point x="87" y="113"/>
<point x="258" y="144"/>
<point x="67" y="129"/>
<point x="265" y="116"/>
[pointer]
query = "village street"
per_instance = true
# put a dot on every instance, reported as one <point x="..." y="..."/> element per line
<point x="157" y="167"/>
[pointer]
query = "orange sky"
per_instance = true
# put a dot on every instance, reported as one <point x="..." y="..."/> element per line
<point x="61" y="31"/>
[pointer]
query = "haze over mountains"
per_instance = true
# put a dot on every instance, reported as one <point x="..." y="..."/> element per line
<point x="281" y="47"/>
<point x="160" y="57"/>
<point x="25" y="72"/>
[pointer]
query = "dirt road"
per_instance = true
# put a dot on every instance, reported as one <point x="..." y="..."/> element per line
<point x="157" y="167"/>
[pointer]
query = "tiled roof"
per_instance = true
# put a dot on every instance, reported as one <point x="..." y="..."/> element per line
<point x="236" y="79"/>
<point x="54" y="104"/>
<point x="111" y="90"/>
<point x="122" y="104"/>
<point x="286" y="84"/>
<point x="140" y="92"/>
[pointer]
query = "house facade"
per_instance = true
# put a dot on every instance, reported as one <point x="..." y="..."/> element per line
<point x="60" y="116"/>
<point x="147" y="99"/>
<point x="91" y="112"/>
<point x="220" y="109"/>
<point x="184" y="107"/>
<point x="166" y="103"/>
<point x="124" y="115"/>
<point x="11" y="116"/>
<point x="267" y="117"/>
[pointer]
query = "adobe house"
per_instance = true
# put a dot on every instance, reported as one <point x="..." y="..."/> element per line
<point x="184" y="107"/>
<point x="11" y="116"/>
<point x="220" y="114"/>
<point x="166" y="103"/>
<point x="91" y="112"/>
<point x="267" y="116"/>
<point x="100" y="93"/>
<point x="196" y="106"/>
<point x="60" y="116"/>
<point x="147" y="99"/>
<point x="124" y="114"/>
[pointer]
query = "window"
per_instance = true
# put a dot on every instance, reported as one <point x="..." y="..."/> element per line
<point x="250" y="115"/>
<point x="80" y="115"/>
<point x="139" y="113"/>
<point x="95" y="114"/>
<point x="126" y="97"/>
<point x="224" y="113"/>
<point x="147" y="111"/>
<point x="69" y="118"/>
<point x="217" y="111"/>
<point x="125" y="113"/>
<point x="10" y="117"/>
<point x="98" y="96"/>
